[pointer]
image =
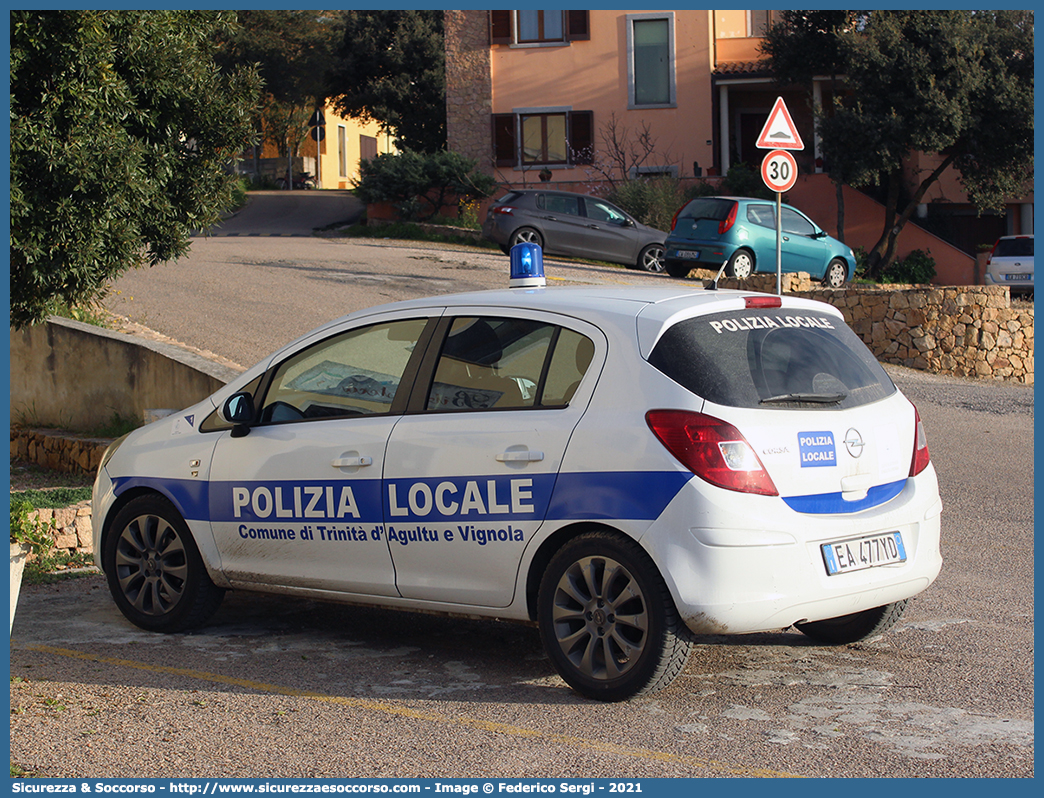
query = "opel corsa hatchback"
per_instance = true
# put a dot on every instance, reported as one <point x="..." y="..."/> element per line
<point x="627" y="468"/>
<point x="741" y="233"/>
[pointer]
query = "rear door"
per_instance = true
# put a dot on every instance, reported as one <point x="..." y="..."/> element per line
<point x="563" y="223"/>
<point x="470" y="469"/>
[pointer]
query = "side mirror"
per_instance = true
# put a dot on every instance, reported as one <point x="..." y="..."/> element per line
<point x="239" y="411"/>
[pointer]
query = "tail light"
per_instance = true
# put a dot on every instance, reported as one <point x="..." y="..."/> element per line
<point x="724" y="225"/>
<point x="506" y="210"/>
<point x="712" y="449"/>
<point x="677" y="213"/>
<point x="989" y="258"/>
<point x="921" y="458"/>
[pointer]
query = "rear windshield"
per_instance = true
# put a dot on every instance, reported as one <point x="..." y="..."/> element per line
<point x="1014" y="247"/>
<point x="785" y="358"/>
<point x="510" y="197"/>
<point x="707" y="208"/>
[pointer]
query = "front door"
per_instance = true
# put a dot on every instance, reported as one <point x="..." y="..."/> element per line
<point x="298" y="500"/>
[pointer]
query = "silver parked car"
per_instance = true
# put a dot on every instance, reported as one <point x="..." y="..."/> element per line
<point x="574" y="225"/>
<point x="1011" y="264"/>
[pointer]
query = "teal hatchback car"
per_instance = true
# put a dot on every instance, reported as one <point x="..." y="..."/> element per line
<point x="741" y="233"/>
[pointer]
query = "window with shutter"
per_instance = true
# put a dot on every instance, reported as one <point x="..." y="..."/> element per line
<point x="543" y="138"/>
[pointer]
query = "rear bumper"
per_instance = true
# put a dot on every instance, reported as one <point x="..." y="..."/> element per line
<point x="764" y="570"/>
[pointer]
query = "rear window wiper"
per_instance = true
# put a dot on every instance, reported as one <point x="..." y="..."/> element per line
<point x="810" y="398"/>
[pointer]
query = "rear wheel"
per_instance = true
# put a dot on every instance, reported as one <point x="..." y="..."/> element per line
<point x="836" y="273"/>
<point x="154" y="570"/>
<point x="855" y="627"/>
<point x="526" y="235"/>
<point x="608" y="621"/>
<point x="651" y="259"/>
<point x="740" y="265"/>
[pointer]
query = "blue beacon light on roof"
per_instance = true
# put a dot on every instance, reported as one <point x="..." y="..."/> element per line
<point x="527" y="266"/>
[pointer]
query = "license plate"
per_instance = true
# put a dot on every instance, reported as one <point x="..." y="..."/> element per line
<point x="1018" y="278"/>
<point x="687" y="254"/>
<point x="856" y="555"/>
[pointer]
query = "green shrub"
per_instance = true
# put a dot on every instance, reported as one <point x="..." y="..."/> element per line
<point x="744" y="181"/>
<point x="917" y="268"/>
<point x="652" y="201"/>
<point x="420" y="186"/>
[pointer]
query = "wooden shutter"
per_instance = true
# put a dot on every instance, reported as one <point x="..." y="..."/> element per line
<point x="578" y="26"/>
<point x="505" y="152"/>
<point x="581" y="136"/>
<point x="500" y="27"/>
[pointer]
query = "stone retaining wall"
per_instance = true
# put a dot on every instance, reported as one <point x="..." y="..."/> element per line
<point x="58" y="450"/>
<point x="73" y="530"/>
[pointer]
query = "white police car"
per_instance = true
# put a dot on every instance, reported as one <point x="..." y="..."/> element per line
<point x="625" y="467"/>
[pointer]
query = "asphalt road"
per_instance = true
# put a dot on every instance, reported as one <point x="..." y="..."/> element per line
<point x="285" y="687"/>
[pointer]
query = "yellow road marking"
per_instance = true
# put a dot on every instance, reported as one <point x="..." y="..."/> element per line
<point x="494" y="727"/>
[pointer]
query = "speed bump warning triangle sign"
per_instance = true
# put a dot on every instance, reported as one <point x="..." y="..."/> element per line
<point x="779" y="132"/>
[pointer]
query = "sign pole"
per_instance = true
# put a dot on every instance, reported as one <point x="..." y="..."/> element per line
<point x="779" y="244"/>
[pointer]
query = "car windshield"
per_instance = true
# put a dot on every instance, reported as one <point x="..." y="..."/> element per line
<point x="792" y="359"/>
<point x="1014" y="247"/>
<point x="707" y="208"/>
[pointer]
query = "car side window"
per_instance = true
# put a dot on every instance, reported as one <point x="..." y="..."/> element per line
<point x="355" y="373"/>
<point x="503" y="363"/>
<point x="557" y="204"/>
<point x="602" y="212"/>
<point x="762" y="215"/>
<point x="796" y="224"/>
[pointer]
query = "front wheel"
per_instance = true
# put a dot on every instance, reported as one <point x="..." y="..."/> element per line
<point x="154" y="570"/>
<point x="526" y="235"/>
<point x="607" y="619"/>
<point x="836" y="273"/>
<point x="855" y="627"/>
<point x="651" y="259"/>
<point x="740" y="265"/>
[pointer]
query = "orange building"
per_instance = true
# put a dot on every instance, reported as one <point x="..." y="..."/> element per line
<point x="571" y="97"/>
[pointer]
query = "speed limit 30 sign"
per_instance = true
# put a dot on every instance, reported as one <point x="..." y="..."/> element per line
<point x="779" y="171"/>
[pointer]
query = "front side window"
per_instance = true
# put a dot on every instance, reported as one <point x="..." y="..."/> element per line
<point x="651" y="63"/>
<point x="604" y="212"/>
<point x="355" y="373"/>
<point x="504" y="363"/>
<point x="794" y="223"/>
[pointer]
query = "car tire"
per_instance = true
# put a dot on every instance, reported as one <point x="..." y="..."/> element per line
<point x="855" y="627"/>
<point x="677" y="269"/>
<point x="526" y="235"/>
<point x="740" y="265"/>
<point x="836" y="272"/>
<point x="607" y="619"/>
<point x="651" y="259"/>
<point x="154" y="570"/>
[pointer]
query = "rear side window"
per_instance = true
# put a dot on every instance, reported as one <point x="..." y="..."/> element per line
<point x="707" y="208"/>
<point x="1014" y="247"/>
<point x="556" y="203"/>
<point x="791" y="359"/>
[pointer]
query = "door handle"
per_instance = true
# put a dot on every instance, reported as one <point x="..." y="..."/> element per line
<point x="352" y="462"/>
<point x="524" y="456"/>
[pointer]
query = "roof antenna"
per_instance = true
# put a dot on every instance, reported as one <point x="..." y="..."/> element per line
<point x="713" y="284"/>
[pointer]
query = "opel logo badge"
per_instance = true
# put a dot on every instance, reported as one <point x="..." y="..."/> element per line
<point x="854" y="442"/>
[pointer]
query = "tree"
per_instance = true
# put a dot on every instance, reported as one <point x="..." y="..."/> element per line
<point x="956" y="83"/>
<point x="122" y="130"/>
<point x="292" y="51"/>
<point x="391" y="68"/>
<point x="802" y="46"/>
